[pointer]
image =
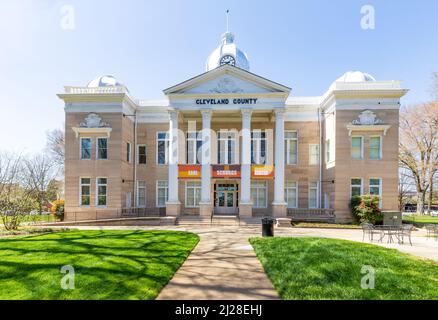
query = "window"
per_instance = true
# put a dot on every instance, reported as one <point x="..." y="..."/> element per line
<point x="258" y="147"/>
<point x="85" y="191"/>
<point x="194" y="144"/>
<point x="291" y="147"/>
<point x="327" y="151"/>
<point x="375" y="148"/>
<point x="101" y="191"/>
<point x="356" y="187"/>
<point x="162" y="148"/>
<point x="193" y="193"/>
<point x="102" y="148"/>
<point x="85" y="148"/>
<point x="376" y="189"/>
<point x="128" y="152"/>
<point x="356" y="148"/>
<point x="227" y="147"/>
<point x="291" y="194"/>
<point x="313" y="195"/>
<point x="258" y="194"/>
<point x="313" y="154"/>
<point x="141" y="194"/>
<point x="141" y="151"/>
<point x="162" y="193"/>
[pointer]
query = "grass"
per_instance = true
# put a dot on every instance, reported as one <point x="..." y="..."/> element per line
<point x="108" y="264"/>
<point x="325" y="225"/>
<point x="420" y="220"/>
<point x="317" y="268"/>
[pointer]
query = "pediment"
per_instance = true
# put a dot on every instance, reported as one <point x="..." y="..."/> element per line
<point x="227" y="80"/>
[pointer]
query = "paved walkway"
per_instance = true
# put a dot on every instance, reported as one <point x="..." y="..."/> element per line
<point x="224" y="265"/>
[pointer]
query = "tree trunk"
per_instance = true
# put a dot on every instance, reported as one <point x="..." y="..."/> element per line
<point x="430" y="200"/>
<point x="421" y="197"/>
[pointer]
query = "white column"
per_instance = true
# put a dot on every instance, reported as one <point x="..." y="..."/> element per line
<point x="245" y="188"/>
<point x="173" y="157"/>
<point x="279" y="203"/>
<point x="206" y="158"/>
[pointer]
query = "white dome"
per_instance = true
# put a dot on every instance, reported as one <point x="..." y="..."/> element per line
<point x="104" y="81"/>
<point x="356" y="76"/>
<point x="227" y="48"/>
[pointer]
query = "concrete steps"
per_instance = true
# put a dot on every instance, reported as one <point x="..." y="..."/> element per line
<point x="217" y="220"/>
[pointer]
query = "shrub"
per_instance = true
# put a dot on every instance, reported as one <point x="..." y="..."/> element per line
<point x="366" y="209"/>
<point x="58" y="209"/>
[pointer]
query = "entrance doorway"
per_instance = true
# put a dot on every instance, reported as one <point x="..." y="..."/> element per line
<point x="226" y="198"/>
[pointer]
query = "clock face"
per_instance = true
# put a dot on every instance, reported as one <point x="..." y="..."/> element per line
<point x="228" y="60"/>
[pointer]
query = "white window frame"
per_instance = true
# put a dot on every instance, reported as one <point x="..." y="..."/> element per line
<point x="287" y="146"/>
<point x="194" y="188"/>
<point x="380" y="147"/>
<point x="361" y="147"/>
<point x="317" y="154"/>
<point x="356" y="185"/>
<point x="80" y="147"/>
<point x="286" y="188"/>
<point x="328" y="151"/>
<point x="80" y="192"/>
<point x="259" y="190"/>
<point x="97" y="192"/>
<point x="380" y="185"/>
<point x="145" y="154"/>
<point x="166" y="193"/>
<point x="194" y="141"/>
<point x="256" y="145"/>
<point x="97" y="148"/>
<point x="138" y="194"/>
<point x="166" y="147"/>
<point x="230" y="136"/>
<point x="317" y="194"/>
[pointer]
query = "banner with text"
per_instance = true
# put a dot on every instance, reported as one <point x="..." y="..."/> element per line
<point x="226" y="171"/>
<point x="262" y="172"/>
<point x="189" y="171"/>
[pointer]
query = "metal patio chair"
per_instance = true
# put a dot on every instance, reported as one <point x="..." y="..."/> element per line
<point x="368" y="229"/>
<point x="432" y="231"/>
<point x="405" y="231"/>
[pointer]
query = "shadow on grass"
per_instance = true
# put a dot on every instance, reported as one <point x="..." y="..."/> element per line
<point x="108" y="264"/>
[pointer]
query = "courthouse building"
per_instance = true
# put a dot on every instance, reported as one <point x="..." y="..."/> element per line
<point x="230" y="142"/>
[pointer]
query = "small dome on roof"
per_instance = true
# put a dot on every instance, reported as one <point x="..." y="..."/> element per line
<point x="104" y="81"/>
<point x="356" y="76"/>
<point x="227" y="53"/>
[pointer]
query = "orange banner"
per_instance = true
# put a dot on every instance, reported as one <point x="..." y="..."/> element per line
<point x="262" y="172"/>
<point x="226" y="171"/>
<point x="189" y="171"/>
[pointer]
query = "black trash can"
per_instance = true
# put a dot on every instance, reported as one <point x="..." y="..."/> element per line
<point x="267" y="227"/>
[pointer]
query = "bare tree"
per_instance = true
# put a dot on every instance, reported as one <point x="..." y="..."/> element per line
<point x="37" y="174"/>
<point x="56" y="146"/>
<point x="419" y="147"/>
<point x="434" y="88"/>
<point x="15" y="202"/>
<point x="405" y="182"/>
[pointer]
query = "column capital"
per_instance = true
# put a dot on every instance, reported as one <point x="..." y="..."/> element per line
<point x="279" y="112"/>
<point x="246" y="111"/>
<point x="206" y="113"/>
<point x="173" y="114"/>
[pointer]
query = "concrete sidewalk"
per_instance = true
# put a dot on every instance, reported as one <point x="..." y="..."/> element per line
<point x="222" y="266"/>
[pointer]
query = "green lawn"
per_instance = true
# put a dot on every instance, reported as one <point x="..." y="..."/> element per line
<point x="108" y="264"/>
<point x="317" y="268"/>
<point x="421" y="220"/>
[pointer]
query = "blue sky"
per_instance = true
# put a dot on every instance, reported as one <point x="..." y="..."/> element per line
<point x="151" y="45"/>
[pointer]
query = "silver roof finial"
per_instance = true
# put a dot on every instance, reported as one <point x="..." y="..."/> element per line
<point x="228" y="16"/>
